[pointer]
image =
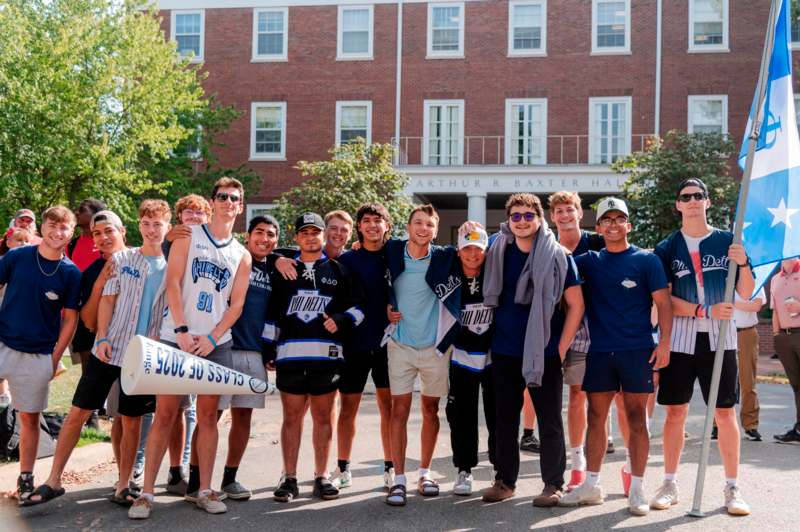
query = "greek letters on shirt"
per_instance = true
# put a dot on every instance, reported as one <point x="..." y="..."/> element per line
<point x="477" y="317"/>
<point x="208" y="270"/>
<point x="307" y="305"/>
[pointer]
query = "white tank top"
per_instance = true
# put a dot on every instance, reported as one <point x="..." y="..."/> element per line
<point x="207" y="282"/>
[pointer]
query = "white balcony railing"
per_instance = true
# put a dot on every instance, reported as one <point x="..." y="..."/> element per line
<point x="492" y="150"/>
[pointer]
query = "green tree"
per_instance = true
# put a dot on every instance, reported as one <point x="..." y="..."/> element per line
<point x="655" y="173"/>
<point x="354" y="175"/>
<point x="95" y="102"/>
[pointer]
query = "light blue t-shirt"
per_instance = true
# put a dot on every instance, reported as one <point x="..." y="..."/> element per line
<point x="417" y="303"/>
<point x="158" y="265"/>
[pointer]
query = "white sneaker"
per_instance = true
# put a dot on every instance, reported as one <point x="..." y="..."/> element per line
<point x="344" y="480"/>
<point x="463" y="484"/>
<point x="140" y="509"/>
<point x="734" y="502"/>
<point x="5" y="400"/>
<point x="583" y="495"/>
<point x="388" y="478"/>
<point x="209" y="501"/>
<point x="666" y="496"/>
<point x="637" y="502"/>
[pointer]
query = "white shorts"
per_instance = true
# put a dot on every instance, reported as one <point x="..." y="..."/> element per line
<point x="406" y="362"/>
<point x="28" y="377"/>
<point x="249" y="363"/>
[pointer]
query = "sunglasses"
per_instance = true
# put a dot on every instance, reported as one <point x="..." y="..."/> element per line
<point x="224" y="196"/>
<point x="686" y="198"/>
<point x="518" y="216"/>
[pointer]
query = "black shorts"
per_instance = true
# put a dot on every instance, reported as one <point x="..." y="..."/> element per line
<point x="96" y="383"/>
<point x="676" y="381"/>
<point x="307" y="378"/>
<point x="357" y="367"/>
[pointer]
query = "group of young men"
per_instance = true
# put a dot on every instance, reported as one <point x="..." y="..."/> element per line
<point x="527" y="309"/>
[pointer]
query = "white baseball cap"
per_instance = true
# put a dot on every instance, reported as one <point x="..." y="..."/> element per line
<point x="611" y="204"/>
<point x="476" y="237"/>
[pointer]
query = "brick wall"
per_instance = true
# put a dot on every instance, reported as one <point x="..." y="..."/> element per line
<point x="766" y="346"/>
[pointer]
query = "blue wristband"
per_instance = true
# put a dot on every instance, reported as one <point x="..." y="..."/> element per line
<point x="100" y="341"/>
<point x="211" y="339"/>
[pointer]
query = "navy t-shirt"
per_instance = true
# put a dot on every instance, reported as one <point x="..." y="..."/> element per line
<point x="559" y="316"/>
<point x="84" y="338"/>
<point x="589" y="242"/>
<point x="618" y="291"/>
<point x="369" y="271"/>
<point x="247" y="330"/>
<point x="510" y="318"/>
<point x="30" y="316"/>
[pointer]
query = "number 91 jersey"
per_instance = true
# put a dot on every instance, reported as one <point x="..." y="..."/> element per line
<point x="207" y="282"/>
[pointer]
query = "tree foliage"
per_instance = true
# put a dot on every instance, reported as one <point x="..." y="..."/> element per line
<point x="355" y="174"/>
<point x="655" y="173"/>
<point x="94" y="102"/>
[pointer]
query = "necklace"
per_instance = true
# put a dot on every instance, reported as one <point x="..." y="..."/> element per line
<point x="39" y="264"/>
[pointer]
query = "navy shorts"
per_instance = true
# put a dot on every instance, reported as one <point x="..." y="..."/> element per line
<point x="629" y="371"/>
<point x="357" y="367"/>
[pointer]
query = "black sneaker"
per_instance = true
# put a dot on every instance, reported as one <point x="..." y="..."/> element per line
<point x="610" y="449"/>
<point x="324" y="489"/>
<point x="791" y="436"/>
<point x="753" y="435"/>
<point x="529" y="443"/>
<point x="287" y="490"/>
<point x="714" y="432"/>
<point x="94" y="421"/>
<point x="24" y="487"/>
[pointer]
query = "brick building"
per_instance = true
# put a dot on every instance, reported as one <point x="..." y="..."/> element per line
<point x="488" y="97"/>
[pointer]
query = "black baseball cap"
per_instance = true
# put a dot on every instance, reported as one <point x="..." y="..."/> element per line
<point x="309" y="219"/>
<point x="692" y="182"/>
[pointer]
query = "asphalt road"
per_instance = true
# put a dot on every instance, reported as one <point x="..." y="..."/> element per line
<point x="769" y="480"/>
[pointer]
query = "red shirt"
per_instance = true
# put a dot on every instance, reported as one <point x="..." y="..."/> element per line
<point x="84" y="253"/>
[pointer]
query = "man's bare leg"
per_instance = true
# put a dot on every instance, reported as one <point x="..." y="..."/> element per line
<point x="208" y="438"/>
<point x="430" y="430"/>
<point x="131" y="430"/>
<point x="167" y="410"/>
<point x="294" y="410"/>
<point x="401" y="409"/>
<point x="322" y="436"/>
<point x="67" y="440"/>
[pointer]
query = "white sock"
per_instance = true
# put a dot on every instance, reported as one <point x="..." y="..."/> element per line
<point x="148" y="496"/>
<point x="670" y="477"/>
<point x="578" y="459"/>
<point x="636" y="483"/>
<point x="592" y="478"/>
<point x="628" y="466"/>
<point x="730" y="482"/>
<point x="400" y="480"/>
<point x="424" y="472"/>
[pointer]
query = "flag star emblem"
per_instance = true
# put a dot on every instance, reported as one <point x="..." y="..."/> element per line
<point x="781" y="214"/>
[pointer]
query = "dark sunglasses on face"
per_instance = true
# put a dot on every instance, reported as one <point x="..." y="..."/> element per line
<point x="518" y="216"/>
<point x="686" y="198"/>
<point x="224" y="196"/>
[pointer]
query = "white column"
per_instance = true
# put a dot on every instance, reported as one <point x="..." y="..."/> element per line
<point x="476" y="207"/>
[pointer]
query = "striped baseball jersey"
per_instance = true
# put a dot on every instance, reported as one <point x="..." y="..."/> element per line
<point x="207" y="283"/>
<point x="132" y="269"/>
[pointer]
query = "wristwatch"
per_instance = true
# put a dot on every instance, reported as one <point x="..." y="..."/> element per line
<point x="181" y="329"/>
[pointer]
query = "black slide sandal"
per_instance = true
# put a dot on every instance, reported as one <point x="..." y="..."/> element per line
<point x="45" y="492"/>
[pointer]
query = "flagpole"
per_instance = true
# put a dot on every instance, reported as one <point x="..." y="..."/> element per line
<point x="732" y="266"/>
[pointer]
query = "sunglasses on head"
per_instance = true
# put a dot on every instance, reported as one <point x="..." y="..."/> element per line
<point x="224" y="196"/>
<point x="689" y="196"/>
<point x="518" y="216"/>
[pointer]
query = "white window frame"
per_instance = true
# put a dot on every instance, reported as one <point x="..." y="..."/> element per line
<point x="606" y="50"/>
<point x="510" y="103"/>
<point x="353" y="103"/>
<point x="707" y="98"/>
<point x="628" y="101"/>
<point x="197" y="155"/>
<point x="446" y="54"/>
<point x="256" y="57"/>
<point x="251" y="208"/>
<point x="710" y="48"/>
<point x="340" y="55"/>
<point x="254" y="156"/>
<point x="427" y="104"/>
<point x="538" y="52"/>
<point x="174" y="14"/>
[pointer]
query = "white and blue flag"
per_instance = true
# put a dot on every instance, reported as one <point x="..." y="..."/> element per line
<point x="772" y="216"/>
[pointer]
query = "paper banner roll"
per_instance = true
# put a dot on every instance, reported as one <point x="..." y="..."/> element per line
<point x="150" y="367"/>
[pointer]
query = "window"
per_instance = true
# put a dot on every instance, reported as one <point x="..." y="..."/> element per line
<point x="527" y="27"/>
<point x="708" y="25"/>
<point x="526" y="131"/>
<point x="187" y="32"/>
<point x="354" y="40"/>
<point x="194" y="146"/>
<point x="446" y="30"/>
<point x="609" y="129"/>
<point x="268" y="131"/>
<point x="353" y="120"/>
<point x="708" y="114"/>
<point x="795" y="29"/>
<point x="257" y="209"/>
<point x="270" y="34"/>
<point x="443" y="132"/>
<point x="611" y="26"/>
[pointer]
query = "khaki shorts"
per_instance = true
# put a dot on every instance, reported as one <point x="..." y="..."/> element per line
<point x="28" y="377"/>
<point x="406" y="362"/>
<point x="574" y="368"/>
<point x="249" y="363"/>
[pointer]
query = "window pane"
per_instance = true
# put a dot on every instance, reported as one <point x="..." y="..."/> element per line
<point x="610" y="132"/>
<point x="444" y="134"/>
<point x="355" y="42"/>
<point x="707" y="116"/>
<point x="268" y="141"/>
<point x="270" y="44"/>
<point x="354" y="117"/>
<point x="527" y="38"/>
<point x="708" y="33"/>
<point x="527" y="16"/>
<point x="187" y="23"/>
<point x="348" y="135"/>
<point x="446" y="17"/>
<point x="355" y="20"/>
<point x="188" y="44"/>
<point x="445" y="40"/>
<point x="274" y="22"/>
<point x="611" y="24"/>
